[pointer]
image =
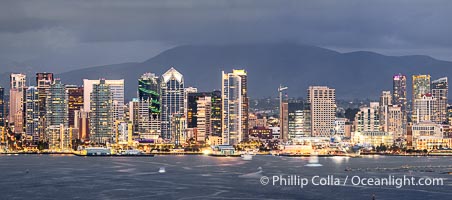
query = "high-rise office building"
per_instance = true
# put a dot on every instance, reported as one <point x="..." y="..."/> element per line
<point x="421" y="86"/>
<point x="385" y="103"/>
<point x="399" y="96"/>
<point x="116" y="88"/>
<point x="149" y="90"/>
<point x="43" y="82"/>
<point x="199" y="113"/>
<point x="172" y="96"/>
<point x="2" y="108"/>
<point x="16" y="101"/>
<point x="75" y="102"/>
<point x="235" y="106"/>
<point x="32" y="114"/>
<point x="323" y="110"/>
<point x="299" y="119"/>
<point x="101" y="118"/>
<point x="216" y="113"/>
<point x="440" y="93"/>
<point x="57" y="105"/>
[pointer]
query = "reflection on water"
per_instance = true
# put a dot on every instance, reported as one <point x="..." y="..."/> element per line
<point x="204" y="177"/>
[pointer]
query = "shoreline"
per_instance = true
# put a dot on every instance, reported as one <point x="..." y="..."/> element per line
<point x="219" y="155"/>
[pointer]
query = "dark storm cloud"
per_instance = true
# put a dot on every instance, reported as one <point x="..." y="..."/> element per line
<point x="29" y="29"/>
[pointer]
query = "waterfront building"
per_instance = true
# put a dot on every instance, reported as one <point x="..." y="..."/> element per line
<point x="60" y="137"/>
<point x="235" y="106"/>
<point x="16" y="102"/>
<point x="32" y="114"/>
<point x="57" y="105"/>
<point x="216" y="113"/>
<point x="75" y="102"/>
<point x="440" y="89"/>
<point x="423" y="108"/>
<point x="367" y="119"/>
<point x="323" y="110"/>
<point x="81" y="123"/>
<point x="117" y="90"/>
<point x="101" y="118"/>
<point x="426" y="132"/>
<point x="204" y="113"/>
<point x="373" y="138"/>
<point x="299" y="119"/>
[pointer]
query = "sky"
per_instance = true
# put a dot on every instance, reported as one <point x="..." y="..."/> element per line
<point x="61" y="35"/>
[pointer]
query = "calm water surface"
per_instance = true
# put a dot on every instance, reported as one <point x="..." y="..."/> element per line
<point x="203" y="177"/>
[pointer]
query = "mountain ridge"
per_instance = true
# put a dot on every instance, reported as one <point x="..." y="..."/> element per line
<point x="358" y="74"/>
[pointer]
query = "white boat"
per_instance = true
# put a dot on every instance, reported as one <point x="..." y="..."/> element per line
<point x="247" y="156"/>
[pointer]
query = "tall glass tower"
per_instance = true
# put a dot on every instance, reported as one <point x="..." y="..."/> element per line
<point x="57" y="105"/>
<point x="32" y="113"/>
<point x="172" y="91"/>
<point x="101" y="118"/>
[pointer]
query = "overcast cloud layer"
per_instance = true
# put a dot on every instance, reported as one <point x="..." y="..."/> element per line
<point x="71" y="34"/>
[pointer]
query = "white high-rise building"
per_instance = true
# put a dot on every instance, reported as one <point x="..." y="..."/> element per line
<point x="323" y="110"/>
<point x="172" y="100"/>
<point x="423" y="108"/>
<point x="116" y="87"/>
<point x="235" y="106"/>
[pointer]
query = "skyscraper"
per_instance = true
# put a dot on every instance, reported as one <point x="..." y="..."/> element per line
<point x="323" y="110"/>
<point x="75" y="102"/>
<point x="32" y="114"/>
<point x="399" y="97"/>
<point x="43" y="82"/>
<point x="385" y="103"/>
<point x="57" y="105"/>
<point x="117" y="89"/>
<point x="149" y="90"/>
<point x="421" y="86"/>
<point x="172" y="96"/>
<point x="216" y="113"/>
<point x="101" y="119"/>
<point x="2" y="107"/>
<point x="16" y="101"/>
<point x="235" y="106"/>
<point x="440" y="93"/>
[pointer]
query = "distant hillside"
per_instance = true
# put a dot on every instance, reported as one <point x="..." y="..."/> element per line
<point x="354" y="75"/>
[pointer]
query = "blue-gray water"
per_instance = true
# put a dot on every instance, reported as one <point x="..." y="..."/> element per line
<point x="203" y="177"/>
